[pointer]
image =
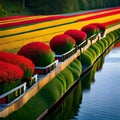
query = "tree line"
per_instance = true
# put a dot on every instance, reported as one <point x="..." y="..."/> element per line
<point x="66" y="6"/>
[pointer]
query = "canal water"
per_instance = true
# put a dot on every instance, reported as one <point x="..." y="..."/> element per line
<point x="97" y="96"/>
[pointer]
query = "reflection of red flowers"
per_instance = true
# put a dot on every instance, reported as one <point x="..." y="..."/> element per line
<point x="24" y="63"/>
<point x="62" y="43"/>
<point x="90" y="30"/>
<point x="9" y="72"/>
<point x="101" y="26"/>
<point x="40" y="53"/>
<point x="78" y="35"/>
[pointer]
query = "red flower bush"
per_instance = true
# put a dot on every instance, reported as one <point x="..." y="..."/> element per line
<point x="102" y="27"/>
<point x="9" y="72"/>
<point x="78" y="35"/>
<point x="25" y="64"/>
<point x="62" y="43"/>
<point x="90" y="30"/>
<point x="40" y="53"/>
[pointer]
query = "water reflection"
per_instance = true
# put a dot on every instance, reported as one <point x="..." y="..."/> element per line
<point x="69" y="107"/>
<point x="90" y="107"/>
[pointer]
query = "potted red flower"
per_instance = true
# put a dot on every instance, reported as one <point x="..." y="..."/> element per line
<point x="10" y="77"/>
<point x="101" y="27"/>
<point x="62" y="45"/>
<point x="90" y="30"/>
<point x="40" y="54"/>
<point x="78" y="35"/>
<point x="24" y="63"/>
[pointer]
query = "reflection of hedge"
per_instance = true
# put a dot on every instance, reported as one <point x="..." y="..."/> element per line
<point x="91" y="54"/>
<point x="49" y="93"/>
<point x="56" y="87"/>
<point x="89" y="77"/>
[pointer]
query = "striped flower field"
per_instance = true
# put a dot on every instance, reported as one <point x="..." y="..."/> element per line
<point x="21" y="30"/>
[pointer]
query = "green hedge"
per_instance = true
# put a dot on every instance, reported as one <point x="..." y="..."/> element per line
<point x="90" y="55"/>
<point x="96" y="49"/>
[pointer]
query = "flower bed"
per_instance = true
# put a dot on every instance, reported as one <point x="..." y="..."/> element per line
<point x="78" y="35"/>
<point x="62" y="43"/>
<point x="10" y="77"/>
<point x="63" y="46"/>
<point x="41" y="55"/>
<point x="102" y="28"/>
<point x="24" y="63"/>
<point x="91" y="30"/>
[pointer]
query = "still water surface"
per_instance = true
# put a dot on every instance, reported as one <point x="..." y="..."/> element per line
<point x="97" y="97"/>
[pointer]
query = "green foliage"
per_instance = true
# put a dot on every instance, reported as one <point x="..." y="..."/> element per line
<point x="3" y="12"/>
<point x="116" y="34"/>
<point x="21" y="7"/>
<point x="52" y="91"/>
<point x="61" y="78"/>
<point x="99" y="46"/>
<point x="105" y="42"/>
<point x="86" y="59"/>
<point x="54" y="7"/>
<point x="31" y="110"/>
<point x="76" y="68"/>
<point x="68" y="77"/>
<point x="9" y="86"/>
<point x="102" y="45"/>
<point x="109" y="38"/>
<point x="93" y="53"/>
<point x="96" y="49"/>
<point x="76" y="74"/>
<point x="77" y="65"/>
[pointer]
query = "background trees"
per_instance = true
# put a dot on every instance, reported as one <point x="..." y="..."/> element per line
<point x="21" y="7"/>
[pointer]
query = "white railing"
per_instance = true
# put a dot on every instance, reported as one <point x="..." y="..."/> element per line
<point x="14" y="89"/>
